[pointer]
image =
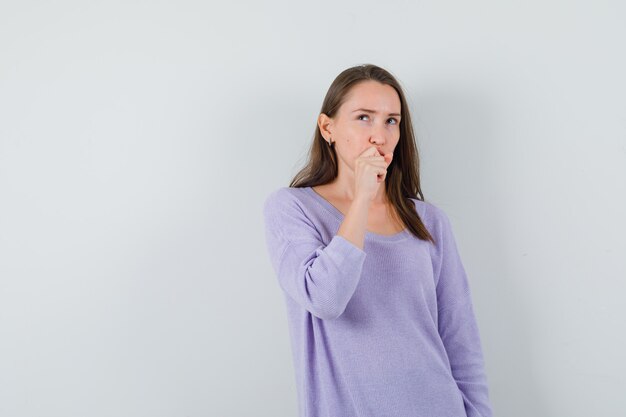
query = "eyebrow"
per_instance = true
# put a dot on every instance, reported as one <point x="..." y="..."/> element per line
<point x="372" y="111"/>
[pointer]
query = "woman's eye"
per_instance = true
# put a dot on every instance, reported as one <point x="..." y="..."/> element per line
<point x="395" y="121"/>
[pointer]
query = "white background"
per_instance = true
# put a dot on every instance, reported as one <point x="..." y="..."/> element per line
<point x="138" y="141"/>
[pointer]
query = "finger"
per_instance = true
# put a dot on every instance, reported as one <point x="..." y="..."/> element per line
<point x="371" y="151"/>
<point x="373" y="159"/>
<point x="375" y="155"/>
<point x="376" y="165"/>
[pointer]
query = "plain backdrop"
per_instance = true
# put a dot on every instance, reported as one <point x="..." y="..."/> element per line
<point x="139" y="139"/>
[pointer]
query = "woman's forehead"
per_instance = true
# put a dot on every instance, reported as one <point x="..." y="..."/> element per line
<point x="374" y="96"/>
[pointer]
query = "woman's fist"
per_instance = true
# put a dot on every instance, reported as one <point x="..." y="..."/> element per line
<point x="370" y="170"/>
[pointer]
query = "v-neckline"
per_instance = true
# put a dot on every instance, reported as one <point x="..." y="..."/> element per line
<point x="340" y="216"/>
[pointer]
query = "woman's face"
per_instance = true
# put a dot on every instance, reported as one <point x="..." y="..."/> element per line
<point x="370" y="116"/>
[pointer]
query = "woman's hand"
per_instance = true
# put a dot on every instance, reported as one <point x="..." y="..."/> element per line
<point x="370" y="170"/>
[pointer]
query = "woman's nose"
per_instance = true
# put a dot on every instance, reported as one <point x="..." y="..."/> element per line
<point x="378" y="135"/>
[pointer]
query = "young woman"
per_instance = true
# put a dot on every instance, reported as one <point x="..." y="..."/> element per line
<point x="380" y="311"/>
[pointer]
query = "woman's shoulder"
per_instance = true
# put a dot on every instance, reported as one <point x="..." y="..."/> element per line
<point x="284" y="195"/>
<point x="285" y="192"/>
<point x="295" y="200"/>
<point x="290" y="196"/>
<point x="430" y="213"/>
<point x="286" y="200"/>
<point x="289" y="212"/>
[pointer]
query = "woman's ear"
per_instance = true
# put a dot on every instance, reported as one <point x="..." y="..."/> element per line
<point x="325" y="124"/>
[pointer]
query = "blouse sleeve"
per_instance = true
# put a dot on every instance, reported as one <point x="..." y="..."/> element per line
<point x="457" y="324"/>
<point x="320" y="278"/>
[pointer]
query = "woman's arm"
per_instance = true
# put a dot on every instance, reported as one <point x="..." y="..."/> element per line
<point x="457" y="323"/>
<point x="320" y="278"/>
